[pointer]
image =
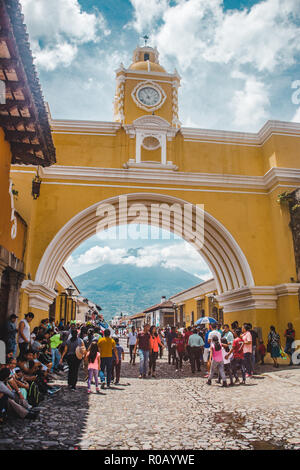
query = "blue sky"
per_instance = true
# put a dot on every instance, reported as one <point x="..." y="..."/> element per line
<point x="238" y="60"/>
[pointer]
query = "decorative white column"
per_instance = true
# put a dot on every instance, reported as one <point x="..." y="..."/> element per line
<point x="40" y="295"/>
<point x="163" y="144"/>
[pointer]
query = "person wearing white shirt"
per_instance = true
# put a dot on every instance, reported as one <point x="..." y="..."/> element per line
<point x="227" y="361"/>
<point x="131" y="342"/>
<point x="214" y="332"/>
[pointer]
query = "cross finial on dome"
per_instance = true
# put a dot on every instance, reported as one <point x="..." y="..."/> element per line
<point x="146" y="39"/>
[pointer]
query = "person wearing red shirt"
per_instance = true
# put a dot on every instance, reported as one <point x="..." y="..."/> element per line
<point x="262" y="352"/>
<point x="143" y="343"/>
<point x="238" y="355"/>
<point x="179" y="345"/>
<point x="187" y="335"/>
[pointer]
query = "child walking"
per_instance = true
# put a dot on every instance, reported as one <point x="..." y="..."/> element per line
<point x="217" y="364"/>
<point x="227" y="362"/>
<point x="93" y="366"/>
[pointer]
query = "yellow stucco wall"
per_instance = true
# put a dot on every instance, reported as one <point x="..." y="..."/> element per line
<point x="5" y="206"/>
<point x="13" y="245"/>
<point x="258" y="223"/>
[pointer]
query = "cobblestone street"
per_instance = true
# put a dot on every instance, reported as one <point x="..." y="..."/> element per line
<point x="173" y="411"/>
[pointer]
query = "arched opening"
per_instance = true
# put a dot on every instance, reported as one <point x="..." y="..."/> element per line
<point x="218" y="248"/>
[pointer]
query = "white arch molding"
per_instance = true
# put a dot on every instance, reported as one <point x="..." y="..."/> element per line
<point x="220" y="250"/>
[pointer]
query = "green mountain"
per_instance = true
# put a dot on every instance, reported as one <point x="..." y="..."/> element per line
<point x="130" y="289"/>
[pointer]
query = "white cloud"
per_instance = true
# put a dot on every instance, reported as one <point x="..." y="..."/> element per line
<point x="60" y="54"/>
<point x="146" y="13"/>
<point x="58" y="27"/>
<point x="98" y="255"/>
<point x="265" y="36"/>
<point x="180" y="255"/>
<point x="250" y="105"/>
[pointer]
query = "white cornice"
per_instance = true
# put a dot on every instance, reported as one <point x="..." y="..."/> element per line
<point x="189" y="134"/>
<point x="151" y="123"/>
<point x="150" y="165"/>
<point x="84" y="127"/>
<point x="167" y="175"/>
<point x="39" y="295"/>
<point x="257" y="297"/>
<point x="174" y="76"/>
<point x="194" y="292"/>
<point x="242" y="138"/>
<point x="288" y="289"/>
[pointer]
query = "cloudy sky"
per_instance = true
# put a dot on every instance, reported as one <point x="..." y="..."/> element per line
<point x="167" y="250"/>
<point x="238" y="59"/>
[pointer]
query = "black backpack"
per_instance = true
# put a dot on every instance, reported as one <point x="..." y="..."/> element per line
<point x="34" y="397"/>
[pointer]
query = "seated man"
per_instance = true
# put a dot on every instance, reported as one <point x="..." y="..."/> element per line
<point x="28" y="366"/>
<point x="19" y="388"/>
<point x="8" y="401"/>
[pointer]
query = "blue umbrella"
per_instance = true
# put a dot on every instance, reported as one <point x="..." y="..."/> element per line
<point x="205" y="320"/>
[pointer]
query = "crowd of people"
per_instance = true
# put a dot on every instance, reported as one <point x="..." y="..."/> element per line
<point x="224" y="351"/>
<point x="35" y="359"/>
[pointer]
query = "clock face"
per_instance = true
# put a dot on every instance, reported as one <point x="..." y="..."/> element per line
<point x="148" y="96"/>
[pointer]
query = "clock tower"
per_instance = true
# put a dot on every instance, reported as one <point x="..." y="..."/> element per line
<point x="146" y="103"/>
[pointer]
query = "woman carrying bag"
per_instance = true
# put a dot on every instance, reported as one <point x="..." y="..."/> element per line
<point x="274" y="345"/>
<point x="74" y="352"/>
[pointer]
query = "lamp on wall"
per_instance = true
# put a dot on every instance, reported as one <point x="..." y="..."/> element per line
<point x="36" y="186"/>
<point x="70" y="290"/>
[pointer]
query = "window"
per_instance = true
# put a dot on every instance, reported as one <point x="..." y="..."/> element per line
<point x="146" y="56"/>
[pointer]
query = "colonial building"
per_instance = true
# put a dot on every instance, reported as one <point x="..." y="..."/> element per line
<point x="138" y="320"/>
<point x="160" y="315"/>
<point x="146" y="156"/>
<point x="197" y="302"/>
<point x="25" y="139"/>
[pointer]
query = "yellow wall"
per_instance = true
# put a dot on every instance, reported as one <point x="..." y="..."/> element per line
<point x="5" y="206"/>
<point x="264" y="237"/>
<point x="16" y="245"/>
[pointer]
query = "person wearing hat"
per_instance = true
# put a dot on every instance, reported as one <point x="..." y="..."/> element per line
<point x="24" y="332"/>
<point x="74" y="352"/>
<point x="12" y="330"/>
